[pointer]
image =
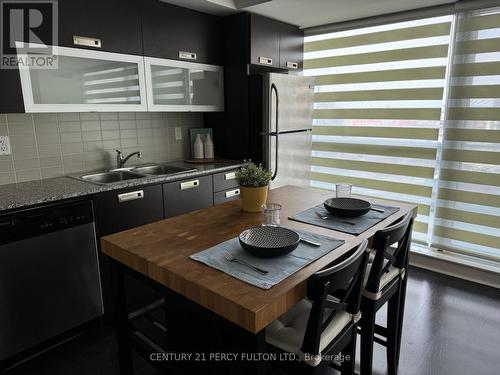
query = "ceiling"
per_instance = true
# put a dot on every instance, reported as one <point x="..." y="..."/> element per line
<point x="308" y="13"/>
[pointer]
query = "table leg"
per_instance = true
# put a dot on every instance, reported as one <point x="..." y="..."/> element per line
<point x="191" y="328"/>
<point x="249" y="347"/>
<point x="120" y="319"/>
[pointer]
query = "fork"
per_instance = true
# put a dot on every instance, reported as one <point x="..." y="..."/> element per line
<point x="324" y="217"/>
<point x="308" y="241"/>
<point x="232" y="259"/>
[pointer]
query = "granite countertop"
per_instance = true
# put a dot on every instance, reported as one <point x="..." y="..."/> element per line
<point x="31" y="193"/>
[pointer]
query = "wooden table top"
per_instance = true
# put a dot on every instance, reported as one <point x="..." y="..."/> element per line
<point x="161" y="252"/>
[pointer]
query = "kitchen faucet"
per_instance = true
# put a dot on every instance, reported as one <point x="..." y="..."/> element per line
<point x="120" y="160"/>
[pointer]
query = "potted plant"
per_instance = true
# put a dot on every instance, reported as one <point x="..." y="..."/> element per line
<point x="254" y="182"/>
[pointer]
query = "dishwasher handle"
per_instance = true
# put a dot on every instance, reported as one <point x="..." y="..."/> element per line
<point x="5" y="223"/>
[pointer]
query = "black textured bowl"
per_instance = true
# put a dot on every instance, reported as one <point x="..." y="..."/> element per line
<point x="347" y="207"/>
<point x="269" y="241"/>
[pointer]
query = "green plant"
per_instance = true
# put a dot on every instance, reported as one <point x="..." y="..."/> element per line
<point x="252" y="175"/>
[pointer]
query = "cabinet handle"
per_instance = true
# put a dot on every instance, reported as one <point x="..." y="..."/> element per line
<point x="292" y="65"/>
<point x="232" y="193"/>
<point x="6" y="223"/>
<point x="230" y="176"/>
<point x="265" y="60"/>
<point x="189" y="184"/>
<point x="86" y="41"/>
<point x="187" y="55"/>
<point x="133" y="195"/>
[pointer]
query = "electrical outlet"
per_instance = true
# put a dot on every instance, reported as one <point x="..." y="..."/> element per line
<point x="178" y="134"/>
<point x="4" y="145"/>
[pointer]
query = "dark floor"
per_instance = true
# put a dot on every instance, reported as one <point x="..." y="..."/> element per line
<point x="451" y="327"/>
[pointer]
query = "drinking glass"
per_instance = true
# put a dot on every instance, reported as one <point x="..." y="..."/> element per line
<point x="343" y="190"/>
<point x="271" y="214"/>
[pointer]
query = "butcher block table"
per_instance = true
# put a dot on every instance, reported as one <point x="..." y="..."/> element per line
<point x="159" y="253"/>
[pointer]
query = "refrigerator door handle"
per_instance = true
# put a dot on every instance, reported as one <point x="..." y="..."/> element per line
<point x="273" y="87"/>
<point x="274" y="134"/>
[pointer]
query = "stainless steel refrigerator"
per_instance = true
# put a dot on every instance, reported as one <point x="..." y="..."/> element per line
<point x="286" y="127"/>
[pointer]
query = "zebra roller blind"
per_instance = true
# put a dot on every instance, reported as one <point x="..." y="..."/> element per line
<point x="468" y="208"/>
<point x="410" y="111"/>
<point x="378" y="109"/>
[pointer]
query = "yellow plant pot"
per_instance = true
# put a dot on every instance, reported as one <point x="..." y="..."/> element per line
<point x="252" y="198"/>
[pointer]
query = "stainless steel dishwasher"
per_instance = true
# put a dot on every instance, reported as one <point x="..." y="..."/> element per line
<point x="49" y="274"/>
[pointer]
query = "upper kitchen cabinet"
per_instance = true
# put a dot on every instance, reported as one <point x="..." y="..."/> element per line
<point x="183" y="86"/>
<point x="172" y="32"/>
<point x="85" y="81"/>
<point x="264" y="41"/>
<point x="111" y="25"/>
<point x="11" y="96"/>
<point x="269" y="44"/>
<point x="291" y="47"/>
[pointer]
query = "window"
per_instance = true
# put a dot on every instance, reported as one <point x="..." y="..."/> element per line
<point x="394" y="117"/>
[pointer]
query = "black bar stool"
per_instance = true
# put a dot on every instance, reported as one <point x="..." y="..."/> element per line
<point x="325" y="323"/>
<point x="385" y="281"/>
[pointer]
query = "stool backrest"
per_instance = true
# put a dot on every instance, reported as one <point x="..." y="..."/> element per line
<point x="398" y="233"/>
<point x="334" y="290"/>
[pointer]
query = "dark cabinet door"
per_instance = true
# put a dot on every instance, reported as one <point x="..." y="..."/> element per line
<point x="227" y="195"/>
<point x="169" y="29"/>
<point x="225" y="180"/>
<point x="121" y="210"/>
<point x="184" y="196"/>
<point x="125" y="209"/>
<point x="11" y="95"/>
<point x="291" y="47"/>
<point x="264" y="41"/>
<point x="116" y="23"/>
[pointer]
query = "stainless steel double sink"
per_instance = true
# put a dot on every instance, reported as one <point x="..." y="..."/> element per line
<point x="134" y="173"/>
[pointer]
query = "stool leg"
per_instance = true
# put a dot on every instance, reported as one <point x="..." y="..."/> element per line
<point x="402" y="300"/>
<point x="367" y="333"/>
<point x="348" y="366"/>
<point x="393" y="335"/>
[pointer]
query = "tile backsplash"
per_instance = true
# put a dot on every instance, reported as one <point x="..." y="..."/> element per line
<point x="47" y="145"/>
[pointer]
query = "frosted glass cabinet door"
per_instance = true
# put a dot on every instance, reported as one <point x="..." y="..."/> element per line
<point x="183" y="86"/>
<point x="86" y="81"/>
<point x="206" y="88"/>
<point x="169" y="85"/>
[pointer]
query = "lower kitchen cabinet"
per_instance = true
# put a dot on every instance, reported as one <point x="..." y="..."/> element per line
<point x="226" y="196"/>
<point x="116" y="211"/>
<point x="184" y="196"/>
<point x="226" y="187"/>
<point x="125" y="209"/>
<point x="225" y="180"/>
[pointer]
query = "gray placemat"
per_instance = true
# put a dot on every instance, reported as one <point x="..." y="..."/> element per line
<point x="361" y="223"/>
<point x="279" y="268"/>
